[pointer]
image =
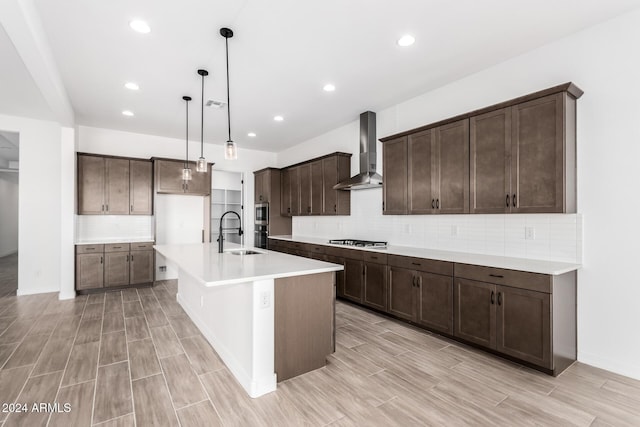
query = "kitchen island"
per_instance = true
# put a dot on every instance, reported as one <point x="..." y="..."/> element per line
<point x="268" y="315"/>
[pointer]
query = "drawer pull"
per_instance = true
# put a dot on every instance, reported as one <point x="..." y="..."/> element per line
<point x="90" y="249"/>
<point x="374" y="257"/>
<point x="500" y="276"/>
<point x="416" y="263"/>
<point x="499" y="298"/>
<point x="117" y="247"/>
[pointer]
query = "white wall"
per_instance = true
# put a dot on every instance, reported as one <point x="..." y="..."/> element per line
<point x="600" y="60"/>
<point x="67" y="209"/>
<point x="39" y="205"/>
<point x="8" y="213"/>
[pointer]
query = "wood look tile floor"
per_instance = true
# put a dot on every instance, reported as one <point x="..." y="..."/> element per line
<point x="133" y="358"/>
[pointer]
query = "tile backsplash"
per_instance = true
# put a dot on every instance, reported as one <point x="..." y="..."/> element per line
<point x="108" y="227"/>
<point x="554" y="237"/>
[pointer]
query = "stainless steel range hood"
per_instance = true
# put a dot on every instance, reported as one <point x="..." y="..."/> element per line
<point x="368" y="177"/>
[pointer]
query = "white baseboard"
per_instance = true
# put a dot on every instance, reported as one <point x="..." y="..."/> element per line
<point x="628" y="370"/>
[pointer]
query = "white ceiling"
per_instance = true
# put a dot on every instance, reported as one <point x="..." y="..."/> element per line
<point x="282" y="54"/>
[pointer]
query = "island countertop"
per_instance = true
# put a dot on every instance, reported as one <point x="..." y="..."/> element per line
<point x="203" y="262"/>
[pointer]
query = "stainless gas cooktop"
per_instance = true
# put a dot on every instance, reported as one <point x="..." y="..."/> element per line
<point x="359" y="243"/>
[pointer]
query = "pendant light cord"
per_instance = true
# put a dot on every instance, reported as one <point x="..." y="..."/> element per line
<point x="202" y="120"/>
<point x="186" y="159"/>
<point x="226" y="39"/>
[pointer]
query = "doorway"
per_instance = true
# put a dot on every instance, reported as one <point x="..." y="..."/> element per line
<point x="9" y="181"/>
<point x="227" y="195"/>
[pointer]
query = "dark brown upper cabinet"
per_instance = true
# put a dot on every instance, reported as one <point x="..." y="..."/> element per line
<point x="169" y="178"/>
<point x="523" y="157"/>
<point x="394" y="177"/>
<point x="427" y="172"/>
<point x="109" y="186"/>
<point x="261" y="186"/>
<point x="307" y="188"/>
<point x="519" y="157"/>
<point x="141" y="187"/>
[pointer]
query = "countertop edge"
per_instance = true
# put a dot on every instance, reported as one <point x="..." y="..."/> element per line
<point x="552" y="268"/>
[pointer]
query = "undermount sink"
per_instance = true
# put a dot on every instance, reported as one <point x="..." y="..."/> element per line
<point x="243" y="252"/>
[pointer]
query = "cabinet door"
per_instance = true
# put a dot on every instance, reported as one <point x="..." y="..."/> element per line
<point x="200" y="183"/>
<point x="259" y="182"/>
<point x="537" y="156"/>
<point x="117" y="187"/>
<point x="305" y="189"/>
<point x="91" y="183"/>
<point x="89" y="271"/>
<point x="375" y="285"/>
<point x="452" y="168"/>
<point x="394" y="177"/>
<point x="285" y="193"/>
<point x="524" y="325"/>
<point x="140" y="188"/>
<point x="490" y="162"/>
<point x="116" y="268"/>
<point x="169" y="176"/>
<point x="330" y="178"/>
<point x="420" y="169"/>
<point x="317" y="188"/>
<point x="353" y="278"/>
<point x="435" y="302"/>
<point x="475" y="312"/>
<point x="141" y="267"/>
<point x="401" y="290"/>
<point x="295" y="190"/>
<point x="339" y="274"/>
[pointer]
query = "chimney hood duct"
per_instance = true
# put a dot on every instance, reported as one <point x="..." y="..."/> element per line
<point x="368" y="177"/>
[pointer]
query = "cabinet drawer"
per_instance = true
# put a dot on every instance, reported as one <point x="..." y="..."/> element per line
<point x="421" y="264"/>
<point x="89" y="249"/>
<point x="516" y="279"/>
<point x="116" y="247"/>
<point x="316" y="249"/>
<point x="374" y="257"/>
<point x="142" y="246"/>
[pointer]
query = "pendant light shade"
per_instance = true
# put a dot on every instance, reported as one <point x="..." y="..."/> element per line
<point x="186" y="172"/>
<point x="230" y="149"/>
<point x="201" y="166"/>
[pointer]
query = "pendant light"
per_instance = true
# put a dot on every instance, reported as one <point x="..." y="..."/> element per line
<point x="230" y="149"/>
<point x="186" y="172"/>
<point x="202" y="163"/>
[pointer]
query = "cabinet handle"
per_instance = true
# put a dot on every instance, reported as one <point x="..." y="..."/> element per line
<point x="437" y="203"/>
<point x="117" y="247"/>
<point x="107" y="207"/>
<point x="127" y="258"/>
<point x="100" y="260"/>
<point x="514" y="200"/>
<point x="414" y="281"/>
<point x="374" y="257"/>
<point x="288" y="210"/>
<point x="335" y="208"/>
<point x="132" y="258"/>
<point x="363" y="269"/>
<point x="102" y="208"/>
<point x="90" y="249"/>
<point x="493" y="298"/>
<point x="433" y="203"/>
<point x="415" y="263"/>
<point x="131" y="208"/>
<point x="499" y="298"/>
<point x="497" y="275"/>
<point x="507" y="200"/>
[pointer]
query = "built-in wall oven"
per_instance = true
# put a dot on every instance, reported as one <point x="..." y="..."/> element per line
<point x="261" y="227"/>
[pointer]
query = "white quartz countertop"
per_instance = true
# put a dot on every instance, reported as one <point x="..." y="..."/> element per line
<point x="114" y="240"/>
<point x="509" y="263"/>
<point x="203" y="262"/>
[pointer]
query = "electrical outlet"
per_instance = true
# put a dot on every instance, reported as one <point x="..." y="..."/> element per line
<point x="529" y="233"/>
<point x="265" y="299"/>
<point x="163" y="268"/>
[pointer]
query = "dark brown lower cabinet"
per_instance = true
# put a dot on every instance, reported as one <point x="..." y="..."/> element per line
<point x="353" y="279"/>
<point x="375" y="285"/>
<point x="513" y="321"/>
<point x="339" y="274"/>
<point x="141" y="267"/>
<point x="89" y="271"/>
<point x="422" y="297"/>
<point x="116" y="268"/>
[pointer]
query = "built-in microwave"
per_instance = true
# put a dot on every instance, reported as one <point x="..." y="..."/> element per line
<point x="262" y="214"/>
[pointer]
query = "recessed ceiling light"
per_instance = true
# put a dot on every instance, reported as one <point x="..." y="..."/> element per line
<point x="131" y="86"/>
<point x="329" y="87"/>
<point x="278" y="118"/>
<point x="406" y="40"/>
<point x="251" y="134"/>
<point x="140" y="26"/>
<point x="127" y="113"/>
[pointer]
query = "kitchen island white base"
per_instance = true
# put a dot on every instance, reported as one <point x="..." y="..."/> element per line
<point x="238" y="326"/>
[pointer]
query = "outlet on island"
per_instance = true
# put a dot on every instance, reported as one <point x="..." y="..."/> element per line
<point x="265" y="299"/>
